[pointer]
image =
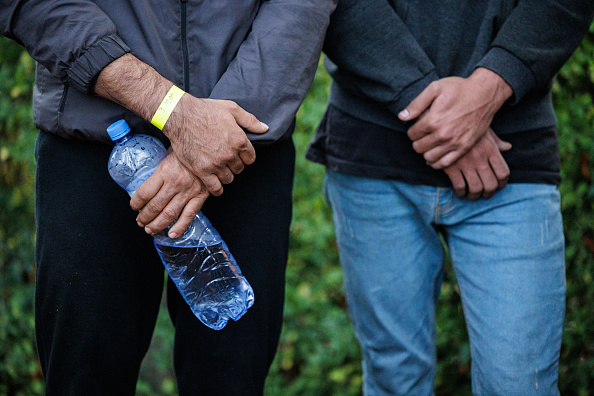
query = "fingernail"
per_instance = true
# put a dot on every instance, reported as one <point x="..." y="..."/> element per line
<point x="404" y="113"/>
<point x="148" y="230"/>
<point x="139" y="223"/>
<point x="173" y="235"/>
<point x="264" y="125"/>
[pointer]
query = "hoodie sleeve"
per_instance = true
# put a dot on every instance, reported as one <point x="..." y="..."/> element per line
<point x="536" y="39"/>
<point x="276" y="64"/>
<point x="374" y="55"/>
<point x="73" y="39"/>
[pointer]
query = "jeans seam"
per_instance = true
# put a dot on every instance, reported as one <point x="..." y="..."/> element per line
<point x="437" y="210"/>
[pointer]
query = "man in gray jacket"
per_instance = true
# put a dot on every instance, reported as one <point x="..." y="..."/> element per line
<point x="422" y="92"/>
<point x="99" y="279"/>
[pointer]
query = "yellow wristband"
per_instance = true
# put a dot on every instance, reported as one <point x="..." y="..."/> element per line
<point x="166" y="107"/>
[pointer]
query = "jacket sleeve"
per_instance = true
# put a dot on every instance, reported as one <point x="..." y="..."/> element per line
<point x="536" y="39"/>
<point x="374" y="55"/>
<point x="73" y="39"/>
<point x="276" y="64"/>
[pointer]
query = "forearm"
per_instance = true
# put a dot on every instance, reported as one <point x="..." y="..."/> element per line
<point x="206" y="135"/>
<point x="139" y="88"/>
<point x="536" y="40"/>
<point x="134" y="85"/>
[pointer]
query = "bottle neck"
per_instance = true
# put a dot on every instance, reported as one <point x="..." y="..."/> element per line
<point x="123" y="139"/>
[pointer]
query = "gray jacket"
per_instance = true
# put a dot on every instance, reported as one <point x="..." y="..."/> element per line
<point x="261" y="54"/>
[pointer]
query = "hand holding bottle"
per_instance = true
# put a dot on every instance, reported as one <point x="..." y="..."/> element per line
<point x="199" y="261"/>
<point x="171" y="192"/>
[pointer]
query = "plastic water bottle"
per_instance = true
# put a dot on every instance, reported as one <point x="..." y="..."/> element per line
<point x="198" y="261"/>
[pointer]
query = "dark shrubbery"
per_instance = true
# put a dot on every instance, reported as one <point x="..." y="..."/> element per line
<point x="574" y="95"/>
<point x="318" y="354"/>
<point x="19" y="370"/>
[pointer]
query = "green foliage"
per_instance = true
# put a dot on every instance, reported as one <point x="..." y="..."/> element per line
<point x="19" y="370"/>
<point x="574" y="95"/>
<point x="156" y="373"/>
<point x="318" y="353"/>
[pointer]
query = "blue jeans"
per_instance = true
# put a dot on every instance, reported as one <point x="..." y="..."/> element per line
<point x="508" y="256"/>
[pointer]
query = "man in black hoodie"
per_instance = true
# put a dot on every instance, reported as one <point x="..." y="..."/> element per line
<point x="436" y="106"/>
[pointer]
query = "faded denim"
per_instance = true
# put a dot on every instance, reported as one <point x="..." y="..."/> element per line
<point x="508" y="256"/>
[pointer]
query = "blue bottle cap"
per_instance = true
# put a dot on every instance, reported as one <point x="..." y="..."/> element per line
<point x="118" y="130"/>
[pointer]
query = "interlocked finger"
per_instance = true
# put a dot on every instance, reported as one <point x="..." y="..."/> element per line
<point x="458" y="182"/>
<point x="225" y="175"/>
<point x="475" y="186"/>
<point x="489" y="182"/>
<point x="236" y="166"/>
<point x="213" y="184"/>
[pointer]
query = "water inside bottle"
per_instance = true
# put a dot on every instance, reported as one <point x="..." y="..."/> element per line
<point x="210" y="281"/>
<point x="198" y="261"/>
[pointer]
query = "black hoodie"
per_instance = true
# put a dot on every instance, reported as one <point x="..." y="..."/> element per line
<point x="382" y="53"/>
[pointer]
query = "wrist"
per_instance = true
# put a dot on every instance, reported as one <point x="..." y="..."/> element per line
<point x="497" y="88"/>
<point x="167" y="106"/>
<point x="176" y="120"/>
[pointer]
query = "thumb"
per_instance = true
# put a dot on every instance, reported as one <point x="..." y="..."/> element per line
<point x="249" y="121"/>
<point x="419" y="104"/>
<point x="501" y="144"/>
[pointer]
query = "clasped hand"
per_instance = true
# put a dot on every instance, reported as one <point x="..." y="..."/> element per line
<point x="208" y="143"/>
<point x="171" y="192"/>
<point x="208" y="147"/>
<point x="208" y="138"/>
<point x="451" y="128"/>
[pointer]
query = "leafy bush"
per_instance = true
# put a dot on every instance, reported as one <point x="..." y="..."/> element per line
<point x="318" y="353"/>
<point x="573" y="96"/>
<point x="19" y="370"/>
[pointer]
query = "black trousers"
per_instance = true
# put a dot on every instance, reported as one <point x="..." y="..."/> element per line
<point x="100" y="281"/>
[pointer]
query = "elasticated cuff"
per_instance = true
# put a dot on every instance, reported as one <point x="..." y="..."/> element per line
<point x="412" y="91"/>
<point x="84" y="71"/>
<point x="511" y="69"/>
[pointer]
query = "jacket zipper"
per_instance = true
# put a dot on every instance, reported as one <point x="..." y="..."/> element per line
<point x="63" y="99"/>
<point x="184" y="45"/>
